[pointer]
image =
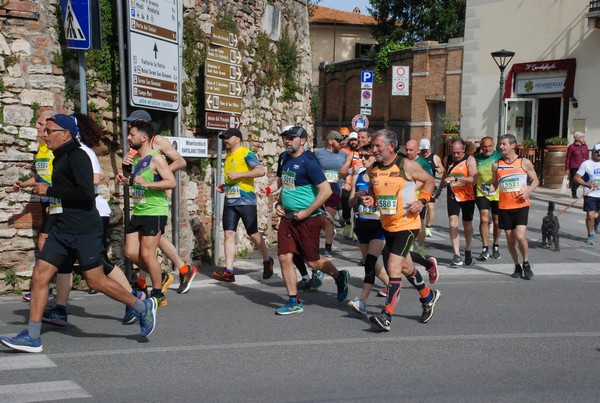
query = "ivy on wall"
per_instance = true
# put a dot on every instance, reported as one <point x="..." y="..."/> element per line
<point x="194" y="56"/>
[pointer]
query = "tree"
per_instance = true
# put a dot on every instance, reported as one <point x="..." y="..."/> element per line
<point x="410" y="21"/>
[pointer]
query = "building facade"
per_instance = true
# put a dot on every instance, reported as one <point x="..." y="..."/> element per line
<point x="551" y="84"/>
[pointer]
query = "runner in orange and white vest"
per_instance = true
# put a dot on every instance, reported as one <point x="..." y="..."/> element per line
<point x="510" y="175"/>
<point x="459" y="177"/>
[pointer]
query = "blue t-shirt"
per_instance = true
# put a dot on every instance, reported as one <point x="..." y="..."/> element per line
<point x="364" y="213"/>
<point x="299" y="179"/>
<point x="331" y="163"/>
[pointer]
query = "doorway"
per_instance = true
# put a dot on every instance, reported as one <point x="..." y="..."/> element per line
<point x="549" y="119"/>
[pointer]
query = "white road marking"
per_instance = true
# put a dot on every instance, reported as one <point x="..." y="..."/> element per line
<point x="42" y="391"/>
<point x="23" y="361"/>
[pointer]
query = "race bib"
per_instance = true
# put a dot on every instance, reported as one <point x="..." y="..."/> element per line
<point x="288" y="180"/>
<point x="55" y="206"/>
<point x="368" y="213"/>
<point x="138" y="195"/>
<point x="232" y="191"/>
<point x="510" y="185"/>
<point x="42" y="167"/>
<point x="388" y="205"/>
<point x="331" y="176"/>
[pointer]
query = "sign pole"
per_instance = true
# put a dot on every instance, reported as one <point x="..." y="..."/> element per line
<point x="217" y="199"/>
<point x="82" y="82"/>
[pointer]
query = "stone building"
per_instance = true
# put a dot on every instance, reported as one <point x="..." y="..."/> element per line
<point x="37" y="73"/>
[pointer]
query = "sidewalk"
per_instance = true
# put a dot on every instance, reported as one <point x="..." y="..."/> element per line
<point x="546" y="194"/>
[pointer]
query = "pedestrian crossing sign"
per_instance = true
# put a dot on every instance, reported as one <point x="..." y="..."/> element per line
<point x="76" y="19"/>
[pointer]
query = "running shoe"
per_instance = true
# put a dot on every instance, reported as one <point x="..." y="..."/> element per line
<point x="268" y="268"/>
<point x="185" y="280"/>
<point x="130" y="313"/>
<point x="527" y="273"/>
<point x="55" y="317"/>
<point x="147" y="318"/>
<point x="328" y="253"/>
<point x="27" y="296"/>
<point x="23" y="342"/>
<point x="433" y="271"/>
<point x="224" y="275"/>
<point x="483" y="256"/>
<point x="165" y="281"/>
<point x="290" y="308"/>
<point x="468" y="258"/>
<point x="496" y="253"/>
<point x="342" y="285"/>
<point x="303" y="284"/>
<point x="358" y="306"/>
<point x="428" y="307"/>
<point x="428" y="232"/>
<point x="456" y="261"/>
<point x="347" y="231"/>
<point x="597" y="227"/>
<point x="354" y="237"/>
<point x="317" y="280"/>
<point x="161" y="301"/>
<point x="383" y="320"/>
<point x="518" y="273"/>
<point x="590" y="240"/>
<point x="382" y="292"/>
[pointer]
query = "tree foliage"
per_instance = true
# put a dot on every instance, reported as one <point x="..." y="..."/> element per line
<point x="410" y="21"/>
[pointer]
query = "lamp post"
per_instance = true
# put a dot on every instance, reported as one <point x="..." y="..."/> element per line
<point x="502" y="58"/>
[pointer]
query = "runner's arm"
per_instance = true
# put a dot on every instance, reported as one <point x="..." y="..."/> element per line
<point x="166" y="148"/>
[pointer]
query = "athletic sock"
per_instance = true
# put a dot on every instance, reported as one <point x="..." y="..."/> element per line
<point x="183" y="269"/>
<point x="496" y="247"/>
<point x="418" y="259"/>
<point x="294" y="299"/>
<point x="468" y="254"/>
<point x="139" y="306"/>
<point x="229" y="270"/>
<point x="417" y="281"/>
<point x="34" y="329"/>
<point x="157" y="292"/>
<point x="393" y="292"/>
<point x="61" y="309"/>
<point x="328" y="245"/>
<point x="484" y="249"/>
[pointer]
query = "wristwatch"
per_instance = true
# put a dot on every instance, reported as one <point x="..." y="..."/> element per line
<point x="424" y="201"/>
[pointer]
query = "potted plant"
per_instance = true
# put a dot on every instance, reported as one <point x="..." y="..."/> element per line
<point x="450" y="124"/>
<point x="528" y="147"/>
<point x="556" y="143"/>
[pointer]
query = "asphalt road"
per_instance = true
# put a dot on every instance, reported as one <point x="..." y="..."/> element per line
<point x="493" y="338"/>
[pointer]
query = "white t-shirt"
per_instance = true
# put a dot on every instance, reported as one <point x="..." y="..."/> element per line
<point x="592" y="169"/>
<point x="101" y="203"/>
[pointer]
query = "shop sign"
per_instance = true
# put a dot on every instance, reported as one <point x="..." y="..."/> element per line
<point x="545" y="85"/>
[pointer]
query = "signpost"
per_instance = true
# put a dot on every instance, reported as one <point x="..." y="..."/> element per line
<point x="154" y="53"/>
<point x="400" y="80"/>
<point x="190" y="146"/>
<point x="81" y="23"/>
<point x="366" y="92"/>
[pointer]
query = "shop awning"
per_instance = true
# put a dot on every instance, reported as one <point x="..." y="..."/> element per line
<point x="567" y="65"/>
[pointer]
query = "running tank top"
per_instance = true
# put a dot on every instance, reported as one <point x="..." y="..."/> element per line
<point x="432" y="164"/>
<point x="462" y="191"/>
<point x="511" y="178"/>
<point x="147" y="202"/>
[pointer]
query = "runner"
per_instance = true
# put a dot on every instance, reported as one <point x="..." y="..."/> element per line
<point x="352" y="158"/>
<point x="510" y="175"/>
<point x="459" y="178"/>
<point x="150" y="178"/>
<point x="393" y="191"/>
<point x="331" y="159"/>
<point x="591" y="201"/>
<point x="437" y="167"/>
<point x="241" y="167"/>
<point x="75" y="234"/>
<point x="304" y="190"/>
<point x="187" y="273"/>
<point x="486" y="199"/>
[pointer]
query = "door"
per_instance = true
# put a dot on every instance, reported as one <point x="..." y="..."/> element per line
<point x="520" y="118"/>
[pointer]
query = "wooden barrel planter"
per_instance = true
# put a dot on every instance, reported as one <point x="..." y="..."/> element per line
<point x="554" y="166"/>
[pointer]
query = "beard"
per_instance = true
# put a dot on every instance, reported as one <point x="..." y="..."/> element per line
<point x="135" y="146"/>
<point x="291" y="149"/>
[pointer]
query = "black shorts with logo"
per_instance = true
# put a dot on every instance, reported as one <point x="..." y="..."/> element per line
<point x="62" y="250"/>
<point x="150" y="225"/>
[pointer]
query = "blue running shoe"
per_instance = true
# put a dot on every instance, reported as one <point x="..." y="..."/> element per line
<point x="290" y="308"/>
<point x="342" y="285"/>
<point x="147" y="318"/>
<point x="55" y="317"/>
<point x="23" y="342"/>
<point x="130" y="313"/>
<point x="316" y="281"/>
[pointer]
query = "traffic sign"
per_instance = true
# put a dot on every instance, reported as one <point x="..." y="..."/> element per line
<point x="189" y="146"/>
<point x="366" y="79"/>
<point x="218" y="86"/>
<point x="154" y="68"/>
<point x="221" y="121"/>
<point x="360" y="122"/>
<point x="157" y="18"/>
<point x="222" y="70"/>
<point x="223" y="38"/>
<point x="400" y="80"/>
<point x="220" y="103"/>
<point x="224" y="55"/>
<point x="366" y="98"/>
<point x="77" y="23"/>
<point x="365" y="111"/>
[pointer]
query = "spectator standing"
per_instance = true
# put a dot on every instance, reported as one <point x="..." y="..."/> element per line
<point x="577" y="152"/>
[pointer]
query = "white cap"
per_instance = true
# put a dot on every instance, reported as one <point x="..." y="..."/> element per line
<point x="597" y="147"/>
<point x="424" y="144"/>
<point x="353" y="135"/>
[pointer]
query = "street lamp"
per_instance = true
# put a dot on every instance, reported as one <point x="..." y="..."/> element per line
<point x="502" y="58"/>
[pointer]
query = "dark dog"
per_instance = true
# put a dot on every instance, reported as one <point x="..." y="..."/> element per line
<point x="550" y="227"/>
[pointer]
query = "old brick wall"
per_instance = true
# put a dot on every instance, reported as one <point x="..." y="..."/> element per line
<point x="32" y="82"/>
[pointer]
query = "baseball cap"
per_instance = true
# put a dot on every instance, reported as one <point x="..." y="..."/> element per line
<point x="295" y="131"/>
<point x="230" y="133"/>
<point x="140" y="114"/>
<point x="333" y="135"/>
<point x="424" y="144"/>
<point x="353" y="135"/>
<point x="597" y="147"/>
<point x="66" y="122"/>
<point x="344" y="131"/>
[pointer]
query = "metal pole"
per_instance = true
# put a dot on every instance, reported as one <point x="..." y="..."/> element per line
<point x="82" y="82"/>
<point x="123" y="112"/>
<point x="217" y="203"/>
<point x="500" y="96"/>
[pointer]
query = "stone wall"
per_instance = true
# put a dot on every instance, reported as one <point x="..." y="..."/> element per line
<point x="32" y="81"/>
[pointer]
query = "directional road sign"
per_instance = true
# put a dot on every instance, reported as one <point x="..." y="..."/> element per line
<point x="189" y="146"/>
<point x="223" y="38"/>
<point x="222" y="70"/>
<point x="220" y="103"/>
<point x="77" y="23"/>
<point x="400" y="80"/>
<point x="225" y="55"/>
<point x="221" y="121"/>
<point x="157" y="18"/>
<point x="218" y="86"/>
